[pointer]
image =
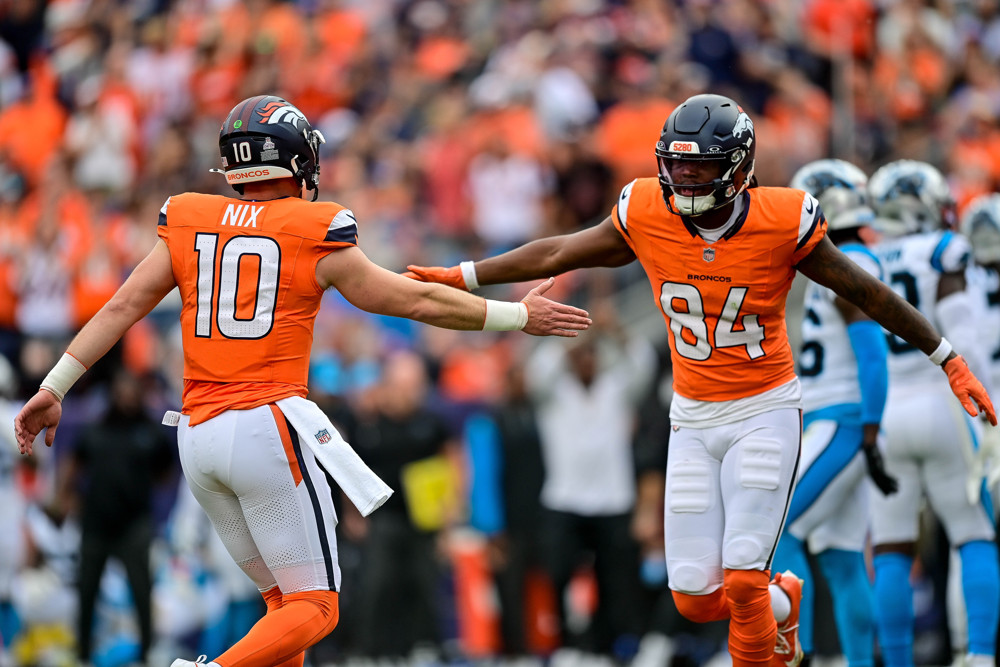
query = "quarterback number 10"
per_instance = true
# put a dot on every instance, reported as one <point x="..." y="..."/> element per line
<point x="237" y="253"/>
<point x="241" y="152"/>
<point x="693" y="321"/>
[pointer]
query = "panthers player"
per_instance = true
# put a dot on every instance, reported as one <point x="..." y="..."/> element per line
<point x="927" y="436"/>
<point x="256" y="454"/>
<point x="981" y="225"/>
<point x="842" y="368"/>
<point x="720" y="256"/>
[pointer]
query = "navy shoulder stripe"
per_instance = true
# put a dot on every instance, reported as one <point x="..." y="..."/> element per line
<point x="818" y="220"/>
<point x="162" y="222"/>
<point x="343" y="228"/>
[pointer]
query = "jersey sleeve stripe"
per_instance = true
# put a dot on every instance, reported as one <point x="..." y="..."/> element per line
<point x="621" y="208"/>
<point x="939" y="251"/>
<point x="817" y="220"/>
<point x="343" y="228"/>
<point x="162" y="222"/>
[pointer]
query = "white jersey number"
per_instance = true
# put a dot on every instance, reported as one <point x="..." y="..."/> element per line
<point x="268" y="258"/>
<point x="692" y="320"/>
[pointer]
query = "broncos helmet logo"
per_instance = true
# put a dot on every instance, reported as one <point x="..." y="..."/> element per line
<point x="743" y="124"/>
<point x="281" y="112"/>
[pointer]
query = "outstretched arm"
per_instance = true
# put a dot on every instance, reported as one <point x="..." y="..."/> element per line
<point x="146" y="287"/>
<point x="377" y="290"/>
<point x="828" y="266"/>
<point x="601" y="245"/>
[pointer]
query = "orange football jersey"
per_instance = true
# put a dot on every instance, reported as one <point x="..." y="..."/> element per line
<point x="247" y="277"/>
<point x="723" y="302"/>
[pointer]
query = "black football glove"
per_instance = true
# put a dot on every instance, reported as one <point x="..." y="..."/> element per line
<point x="885" y="482"/>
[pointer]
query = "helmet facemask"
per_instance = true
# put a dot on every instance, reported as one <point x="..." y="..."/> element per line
<point x="701" y="183"/>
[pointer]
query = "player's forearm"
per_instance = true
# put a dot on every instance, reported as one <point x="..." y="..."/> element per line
<point x="446" y="307"/>
<point x="104" y="330"/>
<point x="151" y="280"/>
<point x="533" y="261"/>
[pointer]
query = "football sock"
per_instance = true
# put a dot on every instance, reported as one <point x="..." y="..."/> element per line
<point x="745" y="600"/>
<point x="752" y="627"/>
<point x="293" y="623"/>
<point x="853" y="604"/>
<point x="894" y="608"/>
<point x="981" y="588"/>
<point x="703" y="608"/>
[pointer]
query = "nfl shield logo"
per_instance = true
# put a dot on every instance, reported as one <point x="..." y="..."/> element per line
<point x="323" y="437"/>
<point x="708" y="254"/>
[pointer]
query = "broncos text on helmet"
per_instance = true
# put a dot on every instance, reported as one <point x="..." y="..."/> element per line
<point x="266" y="137"/>
<point x="705" y="155"/>
<point x="841" y="189"/>
<point x="911" y="197"/>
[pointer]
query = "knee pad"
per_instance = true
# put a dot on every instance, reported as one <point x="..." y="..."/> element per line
<point x="692" y="565"/>
<point x="748" y="542"/>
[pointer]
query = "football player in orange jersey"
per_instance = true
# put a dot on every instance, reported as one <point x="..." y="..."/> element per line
<point x="720" y="255"/>
<point x="252" y="271"/>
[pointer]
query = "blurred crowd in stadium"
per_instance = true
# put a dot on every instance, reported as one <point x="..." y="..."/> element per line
<point x="455" y="129"/>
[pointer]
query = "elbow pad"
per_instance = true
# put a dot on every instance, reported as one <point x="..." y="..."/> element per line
<point x="871" y="351"/>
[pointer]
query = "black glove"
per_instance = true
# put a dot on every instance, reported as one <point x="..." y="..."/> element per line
<point x="885" y="482"/>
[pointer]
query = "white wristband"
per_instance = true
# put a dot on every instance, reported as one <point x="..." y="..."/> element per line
<point x="62" y="376"/>
<point x="941" y="353"/>
<point x="505" y="316"/>
<point x="469" y="275"/>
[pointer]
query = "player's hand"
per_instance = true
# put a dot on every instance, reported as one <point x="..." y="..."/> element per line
<point x="551" y="318"/>
<point x="885" y="482"/>
<point x="985" y="463"/>
<point x="42" y="412"/>
<point x="451" y="276"/>
<point x="968" y="389"/>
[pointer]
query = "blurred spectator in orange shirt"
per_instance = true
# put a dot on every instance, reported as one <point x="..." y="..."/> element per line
<point x="31" y="129"/>
<point x="628" y="131"/>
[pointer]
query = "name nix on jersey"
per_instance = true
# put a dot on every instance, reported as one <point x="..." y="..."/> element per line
<point x="241" y="215"/>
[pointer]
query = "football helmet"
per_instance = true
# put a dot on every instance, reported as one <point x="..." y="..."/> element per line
<point x="705" y="155"/>
<point x="841" y="189"/>
<point x="266" y="137"/>
<point x="981" y="225"/>
<point x="911" y="197"/>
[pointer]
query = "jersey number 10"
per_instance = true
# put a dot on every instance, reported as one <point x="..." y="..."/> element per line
<point x="221" y="296"/>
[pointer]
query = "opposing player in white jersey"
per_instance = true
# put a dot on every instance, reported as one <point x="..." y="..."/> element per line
<point x="981" y="225"/>
<point x="842" y="368"/>
<point x="929" y="439"/>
